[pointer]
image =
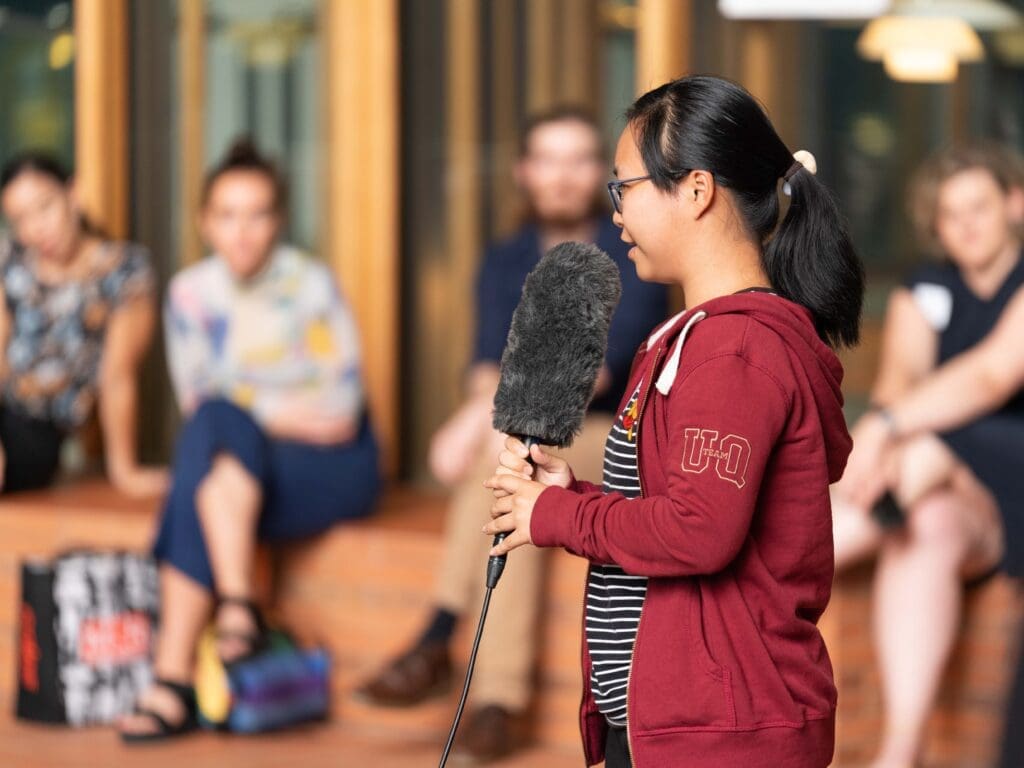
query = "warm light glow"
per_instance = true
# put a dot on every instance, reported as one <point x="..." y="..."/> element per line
<point x="920" y="49"/>
<point x="920" y="65"/>
<point x="62" y="50"/>
<point x="951" y="36"/>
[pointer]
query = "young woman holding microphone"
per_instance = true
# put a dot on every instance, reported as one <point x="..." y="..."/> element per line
<point x="710" y="540"/>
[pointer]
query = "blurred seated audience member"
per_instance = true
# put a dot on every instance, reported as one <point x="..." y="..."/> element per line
<point x="935" y="483"/>
<point x="561" y="171"/>
<point x="276" y="444"/>
<point x="77" y="319"/>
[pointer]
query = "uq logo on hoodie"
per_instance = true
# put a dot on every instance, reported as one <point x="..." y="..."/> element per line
<point x="730" y="454"/>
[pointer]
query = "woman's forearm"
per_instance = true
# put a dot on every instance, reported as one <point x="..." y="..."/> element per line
<point x="119" y="398"/>
<point x="954" y="395"/>
<point x="970" y="385"/>
<point x="128" y="335"/>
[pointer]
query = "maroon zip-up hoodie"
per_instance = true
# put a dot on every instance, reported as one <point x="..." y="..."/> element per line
<point x="741" y="433"/>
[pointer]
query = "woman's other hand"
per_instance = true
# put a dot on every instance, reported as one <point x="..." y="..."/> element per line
<point x="549" y="469"/>
<point x="512" y="510"/>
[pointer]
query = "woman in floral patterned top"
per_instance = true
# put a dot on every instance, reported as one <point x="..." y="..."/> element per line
<point x="76" y="321"/>
<point x="276" y="444"/>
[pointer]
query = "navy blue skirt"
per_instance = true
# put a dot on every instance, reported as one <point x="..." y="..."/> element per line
<point x="306" y="488"/>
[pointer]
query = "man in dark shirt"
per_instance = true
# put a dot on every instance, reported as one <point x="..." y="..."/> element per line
<point x="561" y="171"/>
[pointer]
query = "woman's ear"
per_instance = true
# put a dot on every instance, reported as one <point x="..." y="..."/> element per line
<point x="700" y="191"/>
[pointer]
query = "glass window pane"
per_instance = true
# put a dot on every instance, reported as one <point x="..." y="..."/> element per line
<point x="262" y="80"/>
<point x="37" y="53"/>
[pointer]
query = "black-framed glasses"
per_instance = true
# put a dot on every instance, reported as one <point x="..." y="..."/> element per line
<point x="615" y="190"/>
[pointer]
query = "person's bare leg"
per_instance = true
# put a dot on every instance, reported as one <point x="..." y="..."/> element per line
<point x="184" y="609"/>
<point x="229" y="501"/>
<point x="917" y="599"/>
<point x="855" y="533"/>
<point x="952" y="533"/>
<point x="925" y="464"/>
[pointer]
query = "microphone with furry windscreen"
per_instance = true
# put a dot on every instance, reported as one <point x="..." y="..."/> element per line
<point x="553" y="355"/>
<point x="554" y="352"/>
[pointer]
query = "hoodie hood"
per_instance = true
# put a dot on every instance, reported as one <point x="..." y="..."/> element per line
<point x="810" y="358"/>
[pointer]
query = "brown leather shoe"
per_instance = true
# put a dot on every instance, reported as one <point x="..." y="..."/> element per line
<point x="412" y="678"/>
<point x="489" y="733"/>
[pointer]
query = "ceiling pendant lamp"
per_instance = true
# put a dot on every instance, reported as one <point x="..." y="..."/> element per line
<point x="920" y="49"/>
<point x="924" y="41"/>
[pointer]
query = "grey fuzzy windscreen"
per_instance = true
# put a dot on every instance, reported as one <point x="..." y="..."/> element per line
<point x="556" y="344"/>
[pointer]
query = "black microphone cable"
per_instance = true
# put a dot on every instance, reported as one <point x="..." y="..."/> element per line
<point x="495" y="567"/>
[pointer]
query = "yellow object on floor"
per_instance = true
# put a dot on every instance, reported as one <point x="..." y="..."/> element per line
<point x="213" y="695"/>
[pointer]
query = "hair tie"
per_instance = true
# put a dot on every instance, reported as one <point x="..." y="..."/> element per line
<point x="803" y="160"/>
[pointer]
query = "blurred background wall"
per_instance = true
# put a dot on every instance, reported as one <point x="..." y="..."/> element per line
<point x="397" y="122"/>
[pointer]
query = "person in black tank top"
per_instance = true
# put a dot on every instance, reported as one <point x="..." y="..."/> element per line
<point x="940" y="457"/>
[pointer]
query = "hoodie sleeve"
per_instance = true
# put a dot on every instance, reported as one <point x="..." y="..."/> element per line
<point x="723" y="420"/>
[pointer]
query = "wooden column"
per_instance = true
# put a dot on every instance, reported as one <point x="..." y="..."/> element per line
<point x="360" y="55"/>
<point x="758" y="62"/>
<point x="577" y="45"/>
<point x="191" y="119"/>
<point x="769" y="66"/>
<point x="663" y="36"/>
<point x="101" y="112"/>
<point x="663" y="53"/>
<point x="541" y="58"/>
<point x="464" y="189"/>
<point x="505" y="108"/>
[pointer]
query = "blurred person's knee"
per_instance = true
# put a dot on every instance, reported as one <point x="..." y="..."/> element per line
<point x="856" y="533"/>
<point x="936" y="519"/>
<point x="939" y="524"/>
<point x="219" y="427"/>
<point x="925" y="464"/>
<point x="961" y="520"/>
<point x="228" y="485"/>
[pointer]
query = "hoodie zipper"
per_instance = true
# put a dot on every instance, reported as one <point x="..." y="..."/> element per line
<point x="639" y="477"/>
<point x="586" y="676"/>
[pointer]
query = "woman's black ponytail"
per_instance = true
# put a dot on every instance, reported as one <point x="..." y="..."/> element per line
<point x="811" y="260"/>
<point x="707" y="123"/>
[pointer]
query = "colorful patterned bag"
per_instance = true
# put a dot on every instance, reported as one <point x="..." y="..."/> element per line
<point x="85" y="637"/>
<point x="280" y="686"/>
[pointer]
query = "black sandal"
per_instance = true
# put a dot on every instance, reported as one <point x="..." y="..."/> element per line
<point x="186" y="694"/>
<point x="255" y="641"/>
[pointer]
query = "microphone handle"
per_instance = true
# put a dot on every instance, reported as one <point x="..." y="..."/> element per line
<point x="496" y="563"/>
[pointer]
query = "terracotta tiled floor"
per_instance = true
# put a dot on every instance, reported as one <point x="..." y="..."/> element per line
<point x="333" y="746"/>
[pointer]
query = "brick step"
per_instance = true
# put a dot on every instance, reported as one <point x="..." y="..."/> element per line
<point x="361" y="590"/>
<point x="319" y="746"/>
<point x="966" y="727"/>
<point x="364" y="593"/>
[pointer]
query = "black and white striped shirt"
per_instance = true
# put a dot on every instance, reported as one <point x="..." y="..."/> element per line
<point x="615" y="598"/>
